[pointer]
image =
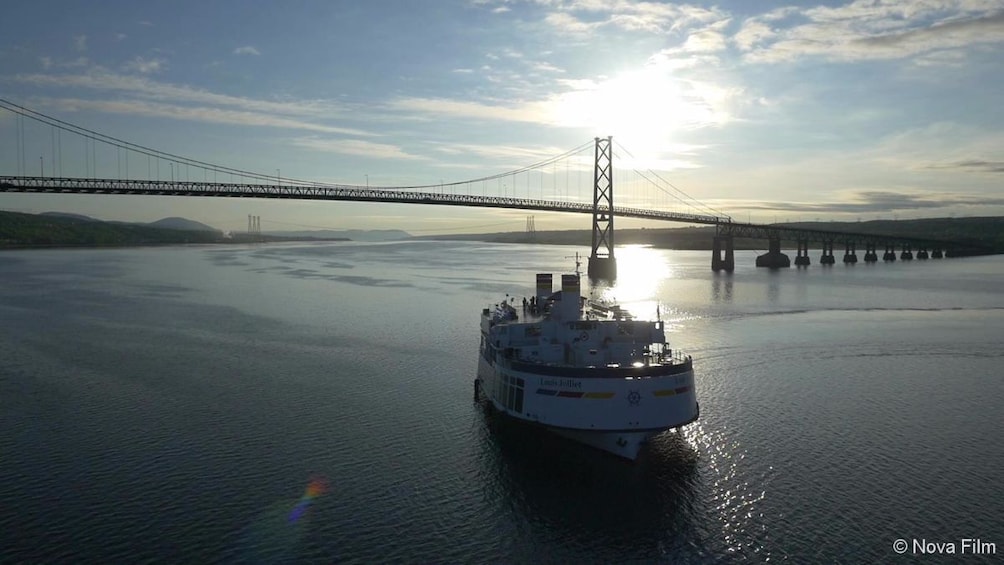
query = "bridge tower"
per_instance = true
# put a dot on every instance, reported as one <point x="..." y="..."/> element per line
<point x="602" y="264"/>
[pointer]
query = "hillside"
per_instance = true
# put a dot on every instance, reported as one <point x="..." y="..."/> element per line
<point x="982" y="231"/>
<point x="18" y="230"/>
<point x="175" y="223"/>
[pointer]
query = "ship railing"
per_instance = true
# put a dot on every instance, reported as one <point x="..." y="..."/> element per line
<point x="672" y="357"/>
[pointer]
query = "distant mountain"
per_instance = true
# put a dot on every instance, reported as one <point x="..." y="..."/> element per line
<point x="80" y="217"/>
<point x="355" y="235"/>
<point x="175" y="223"/>
<point x="29" y="230"/>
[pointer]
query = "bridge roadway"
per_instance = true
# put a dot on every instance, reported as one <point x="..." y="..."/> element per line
<point x="405" y="195"/>
<point x="50" y="185"/>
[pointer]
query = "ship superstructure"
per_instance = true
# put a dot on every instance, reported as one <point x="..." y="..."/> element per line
<point x="586" y="371"/>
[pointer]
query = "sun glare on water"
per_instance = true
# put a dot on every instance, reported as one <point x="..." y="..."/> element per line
<point x="640" y="271"/>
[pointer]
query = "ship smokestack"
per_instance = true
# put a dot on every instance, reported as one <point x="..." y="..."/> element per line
<point x="570" y="297"/>
<point x="544" y="288"/>
<point x="570" y="283"/>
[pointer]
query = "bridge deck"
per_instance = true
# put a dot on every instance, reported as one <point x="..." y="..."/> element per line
<point x="725" y="226"/>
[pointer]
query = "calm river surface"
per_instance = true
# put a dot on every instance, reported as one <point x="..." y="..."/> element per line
<point x="170" y="405"/>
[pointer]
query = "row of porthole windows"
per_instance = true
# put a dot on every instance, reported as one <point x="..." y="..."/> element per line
<point x="509" y="392"/>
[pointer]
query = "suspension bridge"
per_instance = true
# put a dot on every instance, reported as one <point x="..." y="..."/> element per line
<point x="593" y="195"/>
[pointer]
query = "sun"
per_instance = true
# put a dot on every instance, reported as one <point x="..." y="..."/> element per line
<point x="645" y="110"/>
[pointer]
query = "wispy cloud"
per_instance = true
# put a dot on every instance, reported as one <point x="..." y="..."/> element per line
<point x="80" y="43"/>
<point x="875" y="201"/>
<point x="651" y="17"/>
<point x="517" y="154"/>
<point x="527" y="112"/>
<point x="971" y="166"/>
<point x="868" y="30"/>
<point x="357" y="147"/>
<point x="246" y="50"/>
<point x="100" y="79"/>
<point x="145" y="66"/>
<point x="200" y="114"/>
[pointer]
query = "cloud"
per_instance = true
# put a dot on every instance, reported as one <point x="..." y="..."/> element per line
<point x="526" y="112"/>
<point x="545" y="67"/>
<point x="193" y="113"/>
<point x="870" y="30"/>
<point x="101" y="79"/>
<point x="876" y="201"/>
<point x="80" y="43"/>
<point x="705" y="41"/>
<point x="971" y="166"/>
<point x="584" y="17"/>
<point x="145" y="66"/>
<point x="246" y="50"/>
<point x="517" y="154"/>
<point x="355" y="147"/>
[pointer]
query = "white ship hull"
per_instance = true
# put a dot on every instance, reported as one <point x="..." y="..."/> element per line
<point x="616" y="415"/>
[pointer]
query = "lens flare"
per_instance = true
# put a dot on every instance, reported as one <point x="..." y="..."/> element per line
<point x="315" y="488"/>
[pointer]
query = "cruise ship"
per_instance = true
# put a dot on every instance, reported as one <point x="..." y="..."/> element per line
<point x="587" y="371"/>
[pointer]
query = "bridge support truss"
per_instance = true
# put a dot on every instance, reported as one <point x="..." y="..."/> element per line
<point x="602" y="264"/>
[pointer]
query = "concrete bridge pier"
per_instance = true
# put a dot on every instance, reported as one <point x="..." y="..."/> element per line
<point x="922" y="253"/>
<point x="602" y="268"/>
<point x="773" y="258"/>
<point x="906" y="255"/>
<point x="802" y="257"/>
<point x="890" y="253"/>
<point x="728" y="262"/>
<point x="850" y="257"/>
<point x="937" y="253"/>
<point x="827" y="258"/>
<point x="870" y="255"/>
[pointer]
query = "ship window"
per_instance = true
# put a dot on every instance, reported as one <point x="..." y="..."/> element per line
<point x="518" y="404"/>
<point x="511" y="397"/>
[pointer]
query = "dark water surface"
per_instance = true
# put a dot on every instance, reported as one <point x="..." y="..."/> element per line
<point x="170" y="405"/>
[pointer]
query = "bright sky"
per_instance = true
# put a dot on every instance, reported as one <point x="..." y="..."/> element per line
<point x="765" y="110"/>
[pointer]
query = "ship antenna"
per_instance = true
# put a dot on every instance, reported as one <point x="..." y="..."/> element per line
<point x="578" y="264"/>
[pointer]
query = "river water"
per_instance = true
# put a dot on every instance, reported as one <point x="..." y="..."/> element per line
<point x="170" y="405"/>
